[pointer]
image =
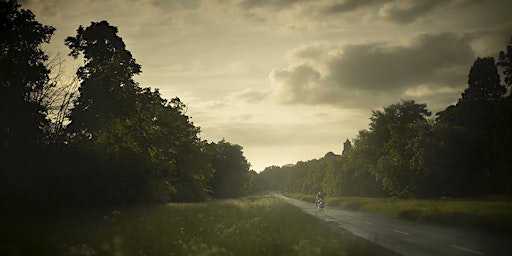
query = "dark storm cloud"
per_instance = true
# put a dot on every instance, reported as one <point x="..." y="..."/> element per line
<point x="346" y="73"/>
<point x="383" y="67"/>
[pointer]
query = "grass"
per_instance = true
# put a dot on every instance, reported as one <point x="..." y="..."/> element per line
<point x="256" y="225"/>
<point x="491" y="215"/>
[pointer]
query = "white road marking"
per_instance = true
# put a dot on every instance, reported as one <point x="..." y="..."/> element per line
<point x="466" y="249"/>
<point x="401" y="232"/>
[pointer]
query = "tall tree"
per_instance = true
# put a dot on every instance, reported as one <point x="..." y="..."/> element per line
<point x="23" y="76"/>
<point x="104" y="131"/>
<point x="484" y="83"/>
<point x="107" y="87"/>
<point x="142" y="147"/>
<point x="476" y="109"/>
<point x="475" y="118"/>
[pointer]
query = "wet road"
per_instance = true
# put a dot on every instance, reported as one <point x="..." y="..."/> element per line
<point x="407" y="237"/>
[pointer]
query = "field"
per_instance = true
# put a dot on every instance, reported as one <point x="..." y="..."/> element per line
<point x="491" y="215"/>
<point x="256" y="225"/>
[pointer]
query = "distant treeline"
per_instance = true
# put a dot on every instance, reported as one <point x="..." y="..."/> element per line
<point x="463" y="151"/>
<point x="102" y="139"/>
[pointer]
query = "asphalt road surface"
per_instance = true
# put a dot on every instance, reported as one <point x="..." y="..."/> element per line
<point x="407" y="237"/>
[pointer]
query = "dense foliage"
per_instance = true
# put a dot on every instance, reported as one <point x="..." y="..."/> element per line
<point x="462" y="152"/>
<point x="23" y="79"/>
<point x="124" y="143"/>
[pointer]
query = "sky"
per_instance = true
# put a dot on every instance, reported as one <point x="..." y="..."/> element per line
<point x="292" y="80"/>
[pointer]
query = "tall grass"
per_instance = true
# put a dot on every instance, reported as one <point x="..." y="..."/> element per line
<point x="258" y="225"/>
<point x="491" y="215"/>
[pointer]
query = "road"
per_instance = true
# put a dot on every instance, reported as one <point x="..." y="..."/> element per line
<point x="407" y="237"/>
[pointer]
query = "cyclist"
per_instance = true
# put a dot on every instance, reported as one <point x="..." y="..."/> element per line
<point x="320" y="197"/>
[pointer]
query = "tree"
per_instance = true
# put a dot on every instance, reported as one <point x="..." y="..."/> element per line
<point x="334" y="178"/>
<point x="448" y="162"/>
<point x="178" y="138"/>
<point x="505" y="62"/>
<point x="231" y="178"/>
<point x="106" y="131"/>
<point x="476" y="109"/>
<point x="271" y="178"/>
<point x="358" y="177"/>
<point x="132" y="146"/>
<point x="478" y="113"/>
<point x="316" y="173"/>
<point x="502" y="132"/>
<point x="107" y="90"/>
<point x="391" y="131"/>
<point x="23" y="76"/>
<point x="483" y="83"/>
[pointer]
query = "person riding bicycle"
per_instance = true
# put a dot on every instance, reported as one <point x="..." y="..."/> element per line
<point x="320" y="197"/>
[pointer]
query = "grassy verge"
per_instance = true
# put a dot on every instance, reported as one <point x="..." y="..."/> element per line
<point x="258" y="225"/>
<point x="491" y="215"/>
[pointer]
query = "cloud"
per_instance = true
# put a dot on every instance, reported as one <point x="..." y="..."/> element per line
<point x="273" y="4"/>
<point x="395" y="11"/>
<point x="285" y="134"/>
<point x="349" y="6"/>
<point x="492" y="40"/>
<point x="342" y="74"/>
<point x="406" y="11"/>
<point x="250" y="96"/>
<point x="46" y="8"/>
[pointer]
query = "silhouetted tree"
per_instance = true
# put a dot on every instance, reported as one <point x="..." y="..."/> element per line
<point x="505" y="62"/>
<point x="103" y="130"/>
<point x="131" y="145"/>
<point x="23" y="77"/>
<point x="476" y="109"/>
<point x="483" y="83"/>
<point x="107" y="90"/>
<point x="502" y="132"/>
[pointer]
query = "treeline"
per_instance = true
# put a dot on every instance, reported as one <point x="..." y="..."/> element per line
<point x="462" y="151"/>
<point x="112" y="141"/>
